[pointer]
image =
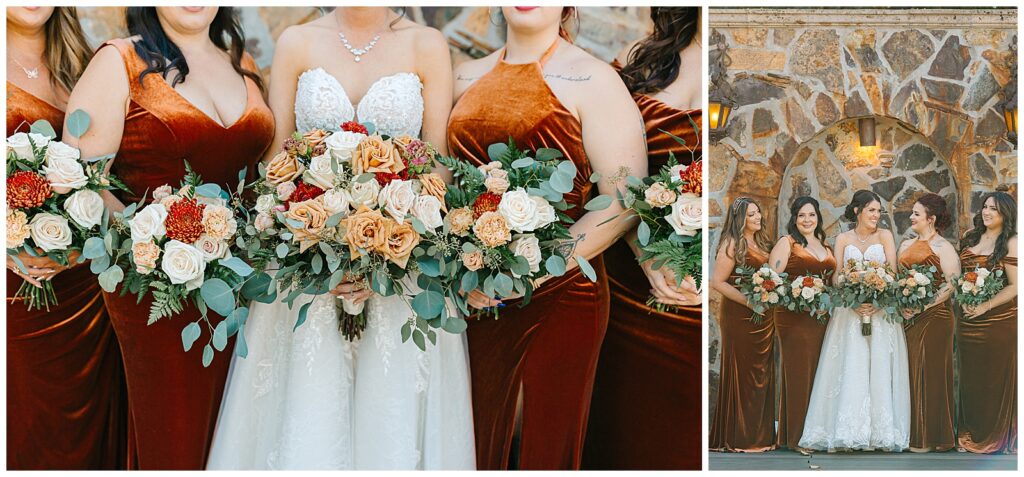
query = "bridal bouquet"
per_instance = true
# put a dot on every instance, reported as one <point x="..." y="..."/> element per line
<point x="862" y="281"/>
<point x="916" y="287"/>
<point x="178" y="249"/>
<point x="978" y="286"/>
<point x="808" y="293"/>
<point x="53" y="201"/>
<point x="763" y="288"/>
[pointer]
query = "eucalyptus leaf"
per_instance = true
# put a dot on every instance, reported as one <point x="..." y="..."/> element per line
<point x="561" y="182"/>
<point x="282" y="250"/>
<point x="237" y="265"/>
<point x="303" y="312"/>
<point x="189" y="334"/>
<point x="334" y="220"/>
<point x="586" y="268"/>
<point x="428" y="304"/>
<point x="209" y="190"/>
<point x="643" y="233"/>
<point x="207" y="356"/>
<point x="523" y="163"/>
<point x="503" y="284"/>
<point x="595" y="177"/>
<point x="241" y="348"/>
<point x="94" y="248"/>
<point x="521" y="266"/>
<point x="429" y="266"/>
<point x="455" y="325"/>
<point x="220" y="335"/>
<point x="44" y="128"/>
<point x="600" y="202"/>
<point x="110" y="278"/>
<point x="470" y="280"/>
<point x="568" y="168"/>
<point x="218" y="296"/>
<point x="97" y="265"/>
<point x="417" y="338"/>
<point x="316" y="264"/>
<point x="496" y="151"/>
<point x="548" y="154"/>
<point x="77" y="123"/>
<point x="555" y="265"/>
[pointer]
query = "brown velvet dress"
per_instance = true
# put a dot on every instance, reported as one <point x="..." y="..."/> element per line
<point x="174" y="400"/>
<point x="549" y="348"/>
<point x="987" y="420"/>
<point x="66" y="406"/>
<point x="930" y="357"/>
<point x="800" y="337"/>
<point x="745" y="416"/>
<point x="646" y="408"/>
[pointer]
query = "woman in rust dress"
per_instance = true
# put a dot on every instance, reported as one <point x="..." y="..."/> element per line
<point x="744" y="415"/>
<point x="930" y="332"/>
<point x="987" y="334"/>
<point x="802" y="252"/>
<point x="542" y="91"/>
<point x="65" y="384"/>
<point x="646" y="408"/>
<point x="207" y="110"/>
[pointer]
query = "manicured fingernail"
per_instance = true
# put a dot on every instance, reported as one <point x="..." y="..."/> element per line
<point x="501" y="305"/>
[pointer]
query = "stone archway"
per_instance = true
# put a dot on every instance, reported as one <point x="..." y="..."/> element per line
<point x="831" y="166"/>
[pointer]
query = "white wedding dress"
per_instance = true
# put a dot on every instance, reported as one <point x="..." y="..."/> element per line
<point x="860" y="399"/>
<point x="309" y="399"/>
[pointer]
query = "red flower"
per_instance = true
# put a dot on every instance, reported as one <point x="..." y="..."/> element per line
<point x="486" y="202"/>
<point x="352" y="126"/>
<point x="692" y="176"/>
<point x="185" y="220"/>
<point x="808" y="282"/>
<point x="26" y="189"/>
<point x="385" y="178"/>
<point x="768" y="285"/>
<point x="969" y="276"/>
<point x="304" y="192"/>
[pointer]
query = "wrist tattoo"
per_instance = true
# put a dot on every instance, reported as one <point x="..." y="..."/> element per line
<point x="460" y="77"/>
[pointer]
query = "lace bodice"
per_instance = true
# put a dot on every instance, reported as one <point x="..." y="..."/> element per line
<point x="394" y="103"/>
<point x="875" y="252"/>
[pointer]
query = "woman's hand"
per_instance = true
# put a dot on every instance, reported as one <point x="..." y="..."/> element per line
<point x="907" y="313"/>
<point x="975" y="311"/>
<point x="866" y="309"/>
<point x="477" y="299"/>
<point x="353" y="289"/>
<point x="664" y="290"/>
<point x="40" y="268"/>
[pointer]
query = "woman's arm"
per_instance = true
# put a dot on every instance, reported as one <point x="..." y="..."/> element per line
<point x="840" y="251"/>
<point x="435" y="68"/>
<point x="779" y="257"/>
<point x="724" y="265"/>
<point x="1009" y="292"/>
<point x="289" y="59"/>
<point x="949" y="263"/>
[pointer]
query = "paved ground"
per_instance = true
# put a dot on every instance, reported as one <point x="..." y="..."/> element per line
<point x="787" y="460"/>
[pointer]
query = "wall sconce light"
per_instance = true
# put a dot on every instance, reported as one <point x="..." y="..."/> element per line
<point x="866" y="131"/>
<point x="720" y="102"/>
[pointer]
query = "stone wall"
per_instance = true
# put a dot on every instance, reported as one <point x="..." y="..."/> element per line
<point x="801" y="78"/>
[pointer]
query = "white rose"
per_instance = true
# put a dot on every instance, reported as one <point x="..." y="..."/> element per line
<point x="528" y="247"/>
<point x="428" y="210"/>
<point x="921" y="279"/>
<point x="397" y="198"/>
<point x="519" y="210"/>
<point x="757" y="279"/>
<point x="58" y="151"/>
<point x="364" y="193"/>
<point x="807" y="293"/>
<point x="263" y="222"/>
<point x="966" y="287"/>
<point x="22" y="147"/>
<point x="85" y="207"/>
<point x="674" y="172"/>
<point x="212" y="248"/>
<point x="162" y="192"/>
<point x="545" y="212"/>
<point x="341" y="144"/>
<point x="686" y="215"/>
<point x="183" y="264"/>
<point x="264" y="203"/>
<point x="337" y="201"/>
<point x="320" y="172"/>
<point x="50" y="232"/>
<point x="922" y="292"/>
<point x="773" y="298"/>
<point x="148" y="223"/>
<point x="65" y="174"/>
<point x="285" y="189"/>
<point x="351" y="307"/>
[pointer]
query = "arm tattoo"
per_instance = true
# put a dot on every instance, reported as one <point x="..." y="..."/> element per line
<point x="572" y="78"/>
<point x="466" y="78"/>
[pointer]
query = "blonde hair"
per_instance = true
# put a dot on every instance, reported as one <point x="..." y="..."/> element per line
<point x="67" y="53"/>
<point x="732" y="230"/>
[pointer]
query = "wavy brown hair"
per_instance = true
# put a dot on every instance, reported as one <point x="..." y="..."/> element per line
<point x="654" y="63"/>
<point x="732" y="230"/>
<point x="1007" y="208"/>
<point x="66" y="53"/>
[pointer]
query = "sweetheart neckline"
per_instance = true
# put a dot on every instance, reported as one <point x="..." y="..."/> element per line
<point x="344" y="92"/>
<point x="865" y="251"/>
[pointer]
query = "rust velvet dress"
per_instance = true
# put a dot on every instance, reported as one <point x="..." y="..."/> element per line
<point x="745" y="414"/>
<point x="550" y="347"/>
<point x="646" y="408"/>
<point x="65" y="386"/>
<point x="173" y="399"/>
<point x="987" y="420"/>
<point x="800" y="337"/>
<point x="930" y="357"/>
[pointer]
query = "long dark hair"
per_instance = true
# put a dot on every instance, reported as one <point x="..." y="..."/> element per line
<point x="732" y="230"/>
<point x="654" y="63"/>
<point x="794" y="210"/>
<point x="1007" y="208"/>
<point x="162" y="55"/>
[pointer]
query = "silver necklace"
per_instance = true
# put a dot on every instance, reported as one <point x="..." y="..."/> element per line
<point x="855" y="234"/>
<point x="31" y="73"/>
<point x="358" y="52"/>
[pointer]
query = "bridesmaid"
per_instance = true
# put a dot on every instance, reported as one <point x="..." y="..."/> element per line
<point x="65" y="384"/>
<point x="656" y="355"/>
<point x="801" y="252"/>
<point x="542" y="91"/>
<point x="930" y="333"/>
<point x="744" y="416"/>
<point x="987" y="334"/>
<point x="175" y="91"/>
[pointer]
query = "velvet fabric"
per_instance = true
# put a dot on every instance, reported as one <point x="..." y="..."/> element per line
<point x="548" y="348"/>
<point x="987" y="417"/>
<point x="646" y="408"/>
<point x="745" y="415"/>
<point x="66" y="405"/>
<point x="174" y="400"/>
<point x="800" y="337"/>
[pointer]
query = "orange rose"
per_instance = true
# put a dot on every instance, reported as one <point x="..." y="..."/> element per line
<point x="435" y="186"/>
<point x="315" y="137"/>
<point x="473" y="260"/>
<point x="375" y="154"/>
<point x="403" y="140"/>
<point x="399" y="240"/>
<point x="284" y="168"/>
<point x="312" y="215"/>
<point x="971" y="276"/>
<point x="364" y="230"/>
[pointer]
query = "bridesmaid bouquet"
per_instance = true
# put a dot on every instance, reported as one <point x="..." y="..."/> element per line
<point x="763" y="287"/>
<point x="978" y="286"/>
<point x="871" y="282"/>
<point x="808" y="293"/>
<point x="53" y="201"/>
<point x="178" y="249"/>
<point x="916" y="287"/>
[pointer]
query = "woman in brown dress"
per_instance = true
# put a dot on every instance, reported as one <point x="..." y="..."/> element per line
<point x="930" y="333"/>
<point x="800" y="253"/>
<point x="65" y="384"/>
<point x="987" y="334"/>
<point x="176" y="91"/>
<point x="744" y="415"/>
<point x="542" y="91"/>
<point x="654" y="354"/>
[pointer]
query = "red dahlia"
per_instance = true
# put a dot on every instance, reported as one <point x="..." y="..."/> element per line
<point x="185" y="221"/>
<point x="26" y="189"/>
<point x="692" y="176"/>
<point x="808" y="282"/>
<point x="486" y="202"/>
<point x="352" y="126"/>
<point x="969" y="276"/>
<point x="304" y="192"/>
<point x="385" y="178"/>
<point x="768" y="285"/>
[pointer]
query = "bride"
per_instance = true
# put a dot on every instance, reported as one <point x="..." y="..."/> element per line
<point x="310" y="399"/>
<point x="860" y="399"/>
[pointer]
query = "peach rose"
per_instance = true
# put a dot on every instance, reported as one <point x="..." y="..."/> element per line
<point x="435" y="186"/>
<point x="315" y="138"/>
<point x="364" y="230"/>
<point x="492" y="230"/>
<point x="375" y="154"/>
<point x="17" y="228"/>
<point x="497" y="181"/>
<point x="659" y="196"/>
<point x="403" y="140"/>
<point x="284" y="168"/>
<point x="460" y="220"/>
<point x="474" y="260"/>
<point x="145" y="255"/>
<point x="399" y="240"/>
<point x="312" y="214"/>
<point x="218" y="222"/>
